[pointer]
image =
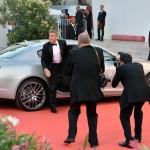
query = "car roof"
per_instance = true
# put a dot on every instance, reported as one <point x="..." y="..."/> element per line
<point x="69" y="42"/>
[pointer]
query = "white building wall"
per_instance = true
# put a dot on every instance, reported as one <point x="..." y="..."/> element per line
<point x="129" y="17"/>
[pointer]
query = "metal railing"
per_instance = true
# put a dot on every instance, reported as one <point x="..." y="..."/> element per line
<point x="63" y="27"/>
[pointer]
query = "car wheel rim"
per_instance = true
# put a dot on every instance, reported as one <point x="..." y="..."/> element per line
<point x="33" y="95"/>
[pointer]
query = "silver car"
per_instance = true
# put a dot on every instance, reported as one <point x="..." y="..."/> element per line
<point x="22" y="78"/>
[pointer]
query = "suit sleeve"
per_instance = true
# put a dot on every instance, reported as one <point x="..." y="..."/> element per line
<point x="44" y="58"/>
<point x="66" y="50"/>
<point x="101" y="57"/>
<point x="102" y="62"/>
<point x="117" y="78"/>
<point x="68" y="67"/>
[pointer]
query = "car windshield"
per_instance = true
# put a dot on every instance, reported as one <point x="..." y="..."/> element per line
<point x="11" y="51"/>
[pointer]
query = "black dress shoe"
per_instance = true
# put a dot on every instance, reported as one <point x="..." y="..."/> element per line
<point x="125" y="144"/>
<point x="98" y="39"/>
<point x="53" y="110"/>
<point x="94" y="145"/>
<point x="69" y="141"/>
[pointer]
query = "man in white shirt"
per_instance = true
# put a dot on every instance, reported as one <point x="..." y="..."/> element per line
<point x="54" y="54"/>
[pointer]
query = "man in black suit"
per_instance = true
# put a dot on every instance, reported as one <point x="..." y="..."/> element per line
<point x="54" y="54"/>
<point x="71" y="29"/>
<point x="79" y="20"/>
<point x="83" y="65"/>
<point x="89" y="19"/>
<point x="135" y="92"/>
<point x="101" y="23"/>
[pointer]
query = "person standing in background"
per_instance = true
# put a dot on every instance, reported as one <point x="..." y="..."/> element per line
<point x="71" y="29"/>
<point x="79" y="20"/>
<point x="64" y="23"/>
<point x="101" y="23"/>
<point x="89" y="20"/>
<point x="67" y="13"/>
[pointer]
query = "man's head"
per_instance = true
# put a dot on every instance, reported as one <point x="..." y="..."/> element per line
<point x="83" y="39"/>
<point x="53" y="36"/>
<point x="101" y="7"/>
<point x="125" y="58"/>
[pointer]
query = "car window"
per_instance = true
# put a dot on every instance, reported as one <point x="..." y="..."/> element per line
<point x="12" y="51"/>
<point x="108" y="56"/>
<point x="72" y="47"/>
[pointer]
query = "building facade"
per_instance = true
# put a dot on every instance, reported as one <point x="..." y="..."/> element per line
<point x="123" y="17"/>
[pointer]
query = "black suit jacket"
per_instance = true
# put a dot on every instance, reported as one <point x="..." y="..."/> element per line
<point x="47" y="53"/>
<point x="132" y="77"/>
<point x="71" y="34"/>
<point x="79" y="18"/>
<point x="82" y="64"/>
<point x="101" y="17"/>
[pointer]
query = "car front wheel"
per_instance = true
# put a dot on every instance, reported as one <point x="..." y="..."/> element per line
<point x="31" y="95"/>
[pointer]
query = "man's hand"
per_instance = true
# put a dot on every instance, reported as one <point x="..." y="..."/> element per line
<point x="47" y="73"/>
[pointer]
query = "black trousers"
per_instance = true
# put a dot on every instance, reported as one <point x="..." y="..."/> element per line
<point x="125" y="114"/>
<point x="100" y="32"/>
<point x="79" y="30"/>
<point x="92" y="116"/>
<point x="89" y="30"/>
<point x="54" y="81"/>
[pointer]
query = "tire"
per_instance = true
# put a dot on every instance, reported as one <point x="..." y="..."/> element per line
<point x="148" y="79"/>
<point x="31" y="95"/>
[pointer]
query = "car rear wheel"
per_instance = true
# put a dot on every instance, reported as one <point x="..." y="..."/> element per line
<point x="148" y="79"/>
<point x="31" y="95"/>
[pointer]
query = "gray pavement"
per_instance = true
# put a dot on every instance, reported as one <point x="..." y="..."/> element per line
<point x="139" y="50"/>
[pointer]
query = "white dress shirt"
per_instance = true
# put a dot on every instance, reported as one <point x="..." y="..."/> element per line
<point x="56" y="54"/>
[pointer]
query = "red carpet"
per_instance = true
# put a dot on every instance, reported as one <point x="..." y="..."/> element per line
<point x="54" y="126"/>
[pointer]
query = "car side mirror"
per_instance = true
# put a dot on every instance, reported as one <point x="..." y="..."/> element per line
<point x="114" y="58"/>
<point x="39" y="53"/>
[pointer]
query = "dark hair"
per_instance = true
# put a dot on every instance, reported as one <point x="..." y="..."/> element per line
<point x="126" y="58"/>
<point x="53" y="31"/>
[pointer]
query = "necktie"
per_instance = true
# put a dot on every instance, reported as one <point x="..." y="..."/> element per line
<point x="53" y="44"/>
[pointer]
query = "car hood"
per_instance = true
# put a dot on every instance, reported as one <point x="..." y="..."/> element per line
<point x="147" y="63"/>
<point x="146" y="66"/>
<point x="5" y="62"/>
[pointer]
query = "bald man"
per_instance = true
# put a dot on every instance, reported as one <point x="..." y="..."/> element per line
<point x="82" y="64"/>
